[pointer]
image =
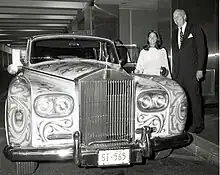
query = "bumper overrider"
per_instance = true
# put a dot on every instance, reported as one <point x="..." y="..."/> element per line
<point x="82" y="156"/>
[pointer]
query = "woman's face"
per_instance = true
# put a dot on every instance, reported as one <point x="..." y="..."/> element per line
<point x="152" y="38"/>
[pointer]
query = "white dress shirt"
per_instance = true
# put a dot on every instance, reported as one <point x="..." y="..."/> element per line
<point x="183" y="30"/>
<point x="150" y="61"/>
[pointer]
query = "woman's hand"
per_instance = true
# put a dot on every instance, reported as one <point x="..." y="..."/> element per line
<point x="137" y="71"/>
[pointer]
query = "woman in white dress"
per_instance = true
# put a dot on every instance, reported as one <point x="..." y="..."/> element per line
<point x="153" y="59"/>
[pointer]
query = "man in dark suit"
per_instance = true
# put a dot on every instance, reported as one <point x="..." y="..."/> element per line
<point x="188" y="55"/>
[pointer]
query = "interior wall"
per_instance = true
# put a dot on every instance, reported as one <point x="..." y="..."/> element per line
<point x="135" y="25"/>
<point x="106" y="21"/>
<point x="124" y="25"/>
<point x="142" y="22"/>
<point x="164" y="23"/>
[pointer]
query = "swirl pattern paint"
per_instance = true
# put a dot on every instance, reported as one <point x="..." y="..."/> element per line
<point x="19" y="127"/>
<point x="69" y="69"/>
<point x="46" y="128"/>
<point x="153" y="120"/>
<point x="172" y="120"/>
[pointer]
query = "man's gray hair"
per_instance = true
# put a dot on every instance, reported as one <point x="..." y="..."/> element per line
<point x="182" y="12"/>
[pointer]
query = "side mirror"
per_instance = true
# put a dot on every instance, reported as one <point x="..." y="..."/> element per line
<point x="13" y="69"/>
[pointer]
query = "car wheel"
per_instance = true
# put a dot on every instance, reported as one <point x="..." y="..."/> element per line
<point x="26" y="168"/>
<point x="162" y="154"/>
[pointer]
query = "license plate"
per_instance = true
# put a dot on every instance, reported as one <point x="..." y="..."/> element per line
<point x="113" y="157"/>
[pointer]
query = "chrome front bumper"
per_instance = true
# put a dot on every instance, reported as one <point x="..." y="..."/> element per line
<point x="85" y="157"/>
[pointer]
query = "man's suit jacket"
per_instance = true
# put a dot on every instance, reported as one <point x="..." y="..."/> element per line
<point x="191" y="56"/>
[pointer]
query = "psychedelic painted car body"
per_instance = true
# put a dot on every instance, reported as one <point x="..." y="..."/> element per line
<point x="72" y="100"/>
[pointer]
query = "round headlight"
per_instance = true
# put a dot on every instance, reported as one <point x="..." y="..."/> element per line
<point x="63" y="105"/>
<point x="44" y="105"/>
<point x="148" y="101"/>
<point x="53" y="105"/>
<point x="159" y="100"/>
<point x="145" y="102"/>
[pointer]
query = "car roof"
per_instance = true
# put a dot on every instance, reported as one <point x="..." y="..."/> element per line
<point x="68" y="35"/>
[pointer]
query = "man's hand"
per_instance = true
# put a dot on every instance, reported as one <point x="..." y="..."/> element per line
<point x="199" y="74"/>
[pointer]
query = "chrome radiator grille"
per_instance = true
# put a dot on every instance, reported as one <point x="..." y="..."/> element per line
<point x="105" y="111"/>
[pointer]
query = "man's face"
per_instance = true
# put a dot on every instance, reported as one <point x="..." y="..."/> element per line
<point x="179" y="18"/>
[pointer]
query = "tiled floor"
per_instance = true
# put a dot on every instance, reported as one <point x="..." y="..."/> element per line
<point x="211" y="131"/>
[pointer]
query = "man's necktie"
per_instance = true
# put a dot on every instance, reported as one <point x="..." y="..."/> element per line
<point x="181" y="36"/>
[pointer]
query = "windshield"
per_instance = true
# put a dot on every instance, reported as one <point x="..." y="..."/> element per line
<point x="66" y="48"/>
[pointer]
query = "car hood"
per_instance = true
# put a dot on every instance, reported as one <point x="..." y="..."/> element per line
<point x="68" y="69"/>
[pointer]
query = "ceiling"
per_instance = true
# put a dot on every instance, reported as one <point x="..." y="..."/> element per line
<point x="20" y="19"/>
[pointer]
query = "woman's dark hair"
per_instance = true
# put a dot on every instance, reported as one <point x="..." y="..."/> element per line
<point x="158" y="42"/>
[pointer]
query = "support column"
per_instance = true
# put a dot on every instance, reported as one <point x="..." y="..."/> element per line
<point x="106" y="20"/>
<point x="88" y="20"/>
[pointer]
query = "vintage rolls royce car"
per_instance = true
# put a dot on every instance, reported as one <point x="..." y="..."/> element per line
<point x="72" y="100"/>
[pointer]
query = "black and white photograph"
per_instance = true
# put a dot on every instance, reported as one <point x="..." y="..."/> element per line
<point x="109" y="87"/>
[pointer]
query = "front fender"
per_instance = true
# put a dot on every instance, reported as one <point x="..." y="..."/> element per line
<point x="171" y="121"/>
<point x="57" y="129"/>
<point x="18" y="112"/>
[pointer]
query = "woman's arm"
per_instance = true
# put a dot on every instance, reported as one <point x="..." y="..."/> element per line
<point x="164" y="61"/>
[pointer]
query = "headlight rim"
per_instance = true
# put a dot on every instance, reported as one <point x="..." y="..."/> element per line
<point x="152" y="93"/>
<point x="55" y="96"/>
